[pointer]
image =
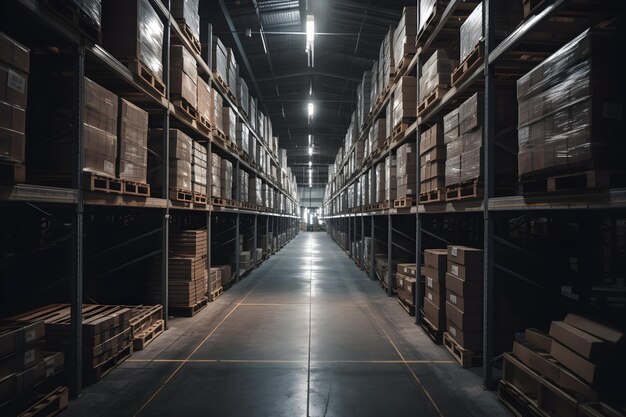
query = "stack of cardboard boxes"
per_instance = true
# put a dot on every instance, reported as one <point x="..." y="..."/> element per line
<point x="227" y="179"/>
<point x="406" y="278"/>
<point x="186" y="12"/>
<point x="132" y="160"/>
<point x="377" y="134"/>
<point x="232" y="72"/>
<point x="242" y="135"/>
<point x="404" y="102"/>
<point x="183" y="76"/>
<point x="226" y="274"/>
<point x="432" y="160"/>
<point x="217" y="112"/>
<point x="374" y="90"/>
<point x="215" y="283"/>
<point x="216" y="175"/>
<point x="404" y="37"/>
<point x="229" y="121"/>
<point x="14" y="67"/>
<point x="435" y="74"/>
<point x="244" y="180"/>
<point x="219" y="61"/>
<point x="464" y="297"/>
<point x="379" y="192"/>
<point x="434" y="272"/>
<point x="363" y="99"/>
<point x="390" y="179"/>
<point x="243" y="95"/>
<point x="180" y="158"/>
<point x="385" y="62"/>
<point x="199" y="169"/>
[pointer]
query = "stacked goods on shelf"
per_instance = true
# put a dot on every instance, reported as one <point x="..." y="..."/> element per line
<point x="243" y="95"/>
<point x="232" y="72"/>
<point x="229" y="120"/>
<point x="205" y="103"/>
<point x="132" y="31"/>
<point x="464" y="303"/>
<point x="406" y="279"/>
<point x="252" y="149"/>
<point x="184" y="79"/>
<point x="226" y="274"/>
<point x="242" y="135"/>
<point x="219" y="62"/>
<point x="180" y="158"/>
<point x="575" y="368"/>
<point x="99" y="130"/>
<point x="245" y="262"/>
<point x="382" y="266"/>
<point x="26" y="369"/>
<point x="435" y="79"/>
<point x="215" y="283"/>
<point x="380" y="183"/>
<point x="385" y="62"/>
<point x="390" y="180"/>
<point x="14" y="67"/>
<point x="199" y="169"/>
<point x="364" y="183"/>
<point x="244" y="179"/>
<point x="132" y="158"/>
<point x="263" y="200"/>
<point x="226" y="177"/>
<point x="377" y="135"/>
<point x="404" y="39"/>
<point x="432" y="165"/>
<point x="434" y="272"/>
<point x="429" y="11"/>
<point x="255" y="190"/>
<point x="217" y="114"/>
<point x="188" y="273"/>
<point x="405" y="172"/>
<point x="565" y="132"/>
<point x="106" y="340"/>
<point x="252" y="113"/>
<point x="146" y="324"/>
<point x="186" y="13"/>
<point x="363" y="93"/>
<point x="404" y="106"/>
<point x="216" y="176"/>
<point x="374" y="90"/>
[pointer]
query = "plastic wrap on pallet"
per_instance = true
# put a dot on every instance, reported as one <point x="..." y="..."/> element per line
<point x="435" y="73"/>
<point x="217" y="114"/>
<point x="232" y="71"/>
<point x="390" y="178"/>
<point x="364" y="95"/>
<point x="252" y="110"/>
<point x="404" y="35"/>
<point x="471" y="164"/>
<point x="243" y="95"/>
<point x="219" y="59"/>
<point x="243" y="135"/>
<point x="404" y="100"/>
<point x="472" y="139"/>
<point x="454" y="148"/>
<point x="230" y="123"/>
<point x="183" y="75"/>
<point x="425" y="11"/>
<point x="180" y="174"/>
<point x="252" y="147"/>
<point x="471" y="31"/>
<point x="374" y="91"/>
<point x="133" y="142"/>
<point x="150" y="38"/>
<point x="407" y="160"/>
<point x="380" y="183"/>
<point x="451" y="126"/>
<point x="471" y="113"/>
<point x="385" y="61"/>
<point x="187" y="11"/>
<point x="205" y="101"/>
<point x="92" y="9"/>
<point x="453" y="170"/>
<point x="100" y="129"/>
<point x="180" y="145"/>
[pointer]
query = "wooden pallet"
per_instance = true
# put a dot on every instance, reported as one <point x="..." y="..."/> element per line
<point x="104" y="368"/>
<point x="136" y="188"/>
<point x="387" y="204"/>
<point x="399" y="130"/>
<point x="583" y="181"/>
<point x="50" y="405"/>
<point x="185" y="107"/>
<point x="435" y="334"/>
<point x="431" y="18"/>
<point x="469" y="64"/>
<point x="188" y="33"/>
<point x="465" y="190"/>
<point x="178" y="194"/>
<point x="102" y="183"/>
<point x="188" y="311"/>
<point x="199" y="199"/>
<point x="465" y="357"/>
<point x="401" y="68"/>
<point x="145" y="76"/>
<point x="143" y="317"/>
<point x="222" y="84"/>
<point x="77" y="17"/>
<point x="546" y="398"/>
<point x="217" y="201"/>
<point x="204" y="124"/>
<point x="408" y="307"/>
<point x="219" y="137"/>
<point x="435" y="196"/>
<point x="516" y="402"/>
<point x="404" y="202"/>
<point x="144" y="337"/>
<point x="432" y="99"/>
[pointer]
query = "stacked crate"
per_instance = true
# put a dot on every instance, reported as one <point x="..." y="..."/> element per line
<point x="132" y="31"/>
<point x="24" y="365"/>
<point x="385" y="62"/>
<point x="243" y="95"/>
<point x="205" y="103"/>
<point x="232" y="72"/>
<point x="219" y="61"/>
<point x="576" y="366"/>
<point x="188" y="272"/>
<point x="244" y="179"/>
<point x="434" y="272"/>
<point x="242" y="135"/>
<point x="217" y="114"/>
<point x="435" y="78"/>
<point x="186" y="13"/>
<point x="229" y="120"/>
<point x="390" y="180"/>
<point x="14" y="67"/>
<point x="583" y="139"/>
<point x="379" y="192"/>
<point x="432" y="163"/>
<point x="226" y="274"/>
<point x="405" y="171"/>
<point x="199" y="169"/>
<point x="216" y="176"/>
<point x="406" y="279"/>
<point x="226" y="179"/>
<point x="180" y="158"/>
<point x="184" y="79"/>
<point x="404" y="38"/>
<point x="404" y="104"/>
<point x="100" y="130"/>
<point x="464" y="297"/>
<point x="377" y="134"/>
<point x="132" y="158"/>
<point x="215" y="283"/>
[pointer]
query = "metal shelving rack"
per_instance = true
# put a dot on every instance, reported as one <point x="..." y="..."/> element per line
<point x="92" y="60"/>
<point x="479" y="217"/>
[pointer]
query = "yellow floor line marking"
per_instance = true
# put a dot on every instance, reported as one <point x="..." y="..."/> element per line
<point x="406" y="364"/>
<point x="196" y="349"/>
<point x="301" y="304"/>
<point x="444" y="362"/>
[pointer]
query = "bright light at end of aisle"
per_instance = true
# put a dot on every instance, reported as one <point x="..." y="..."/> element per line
<point x="310" y="164"/>
<point x="310" y="28"/>
<point x="311" y="150"/>
<point x="311" y="109"/>
<point x="310" y="139"/>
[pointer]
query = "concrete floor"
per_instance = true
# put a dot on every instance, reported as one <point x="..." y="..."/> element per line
<point x="306" y="334"/>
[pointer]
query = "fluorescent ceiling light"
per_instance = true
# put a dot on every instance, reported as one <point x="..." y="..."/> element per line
<point x="310" y="28"/>
<point x="310" y="163"/>
<point x="311" y="109"/>
<point x="311" y="150"/>
<point x="310" y="140"/>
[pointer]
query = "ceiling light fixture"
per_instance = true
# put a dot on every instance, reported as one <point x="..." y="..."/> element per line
<point x="310" y="140"/>
<point x="311" y="109"/>
<point x="311" y="150"/>
<point x="310" y="39"/>
<point x="310" y="163"/>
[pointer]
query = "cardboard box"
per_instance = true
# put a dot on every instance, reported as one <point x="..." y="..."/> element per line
<point x="12" y="145"/>
<point x="17" y="335"/>
<point x="12" y="117"/>
<point x="586" y="370"/>
<point x="407" y="269"/>
<point x="434" y="279"/>
<point x="468" y="305"/>
<point x="466" y="272"/>
<point x="538" y="339"/>
<point x="431" y="138"/>
<point x="463" y="321"/>
<point x="467" y="289"/>
<point x="13" y="86"/>
<point x="433" y="314"/>
<point x="594" y="328"/>
<point x="472" y="340"/>
<point x="14" y="54"/>
<point x="586" y="345"/>
<point x="436" y="258"/>
<point x="13" y="385"/>
<point x="464" y="255"/>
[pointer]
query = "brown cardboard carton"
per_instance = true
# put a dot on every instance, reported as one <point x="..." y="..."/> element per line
<point x="17" y="335"/>
<point x="467" y="322"/>
<point x="434" y="279"/>
<point x="468" y="305"/>
<point x="538" y="339"/>
<point x="464" y="288"/>
<point x="12" y="117"/>
<point x="466" y="272"/>
<point x="13" y="86"/>
<point x="433" y="314"/>
<point x="407" y="269"/>
<point x="472" y="340"/>
<point x="594" y="328"/>
<point x="586" y="370"/>
<point x="464" y="255"/>
<point x="12" y="145"/>
<point x="586" y="345"/>
<point x="435" y="298"/>
<point x="437" y="153"/>
<point x="436" y="258"/>
<point x="14" y="54"/>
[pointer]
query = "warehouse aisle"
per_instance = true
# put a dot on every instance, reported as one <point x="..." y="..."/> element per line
<point x="307" y="333"/>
